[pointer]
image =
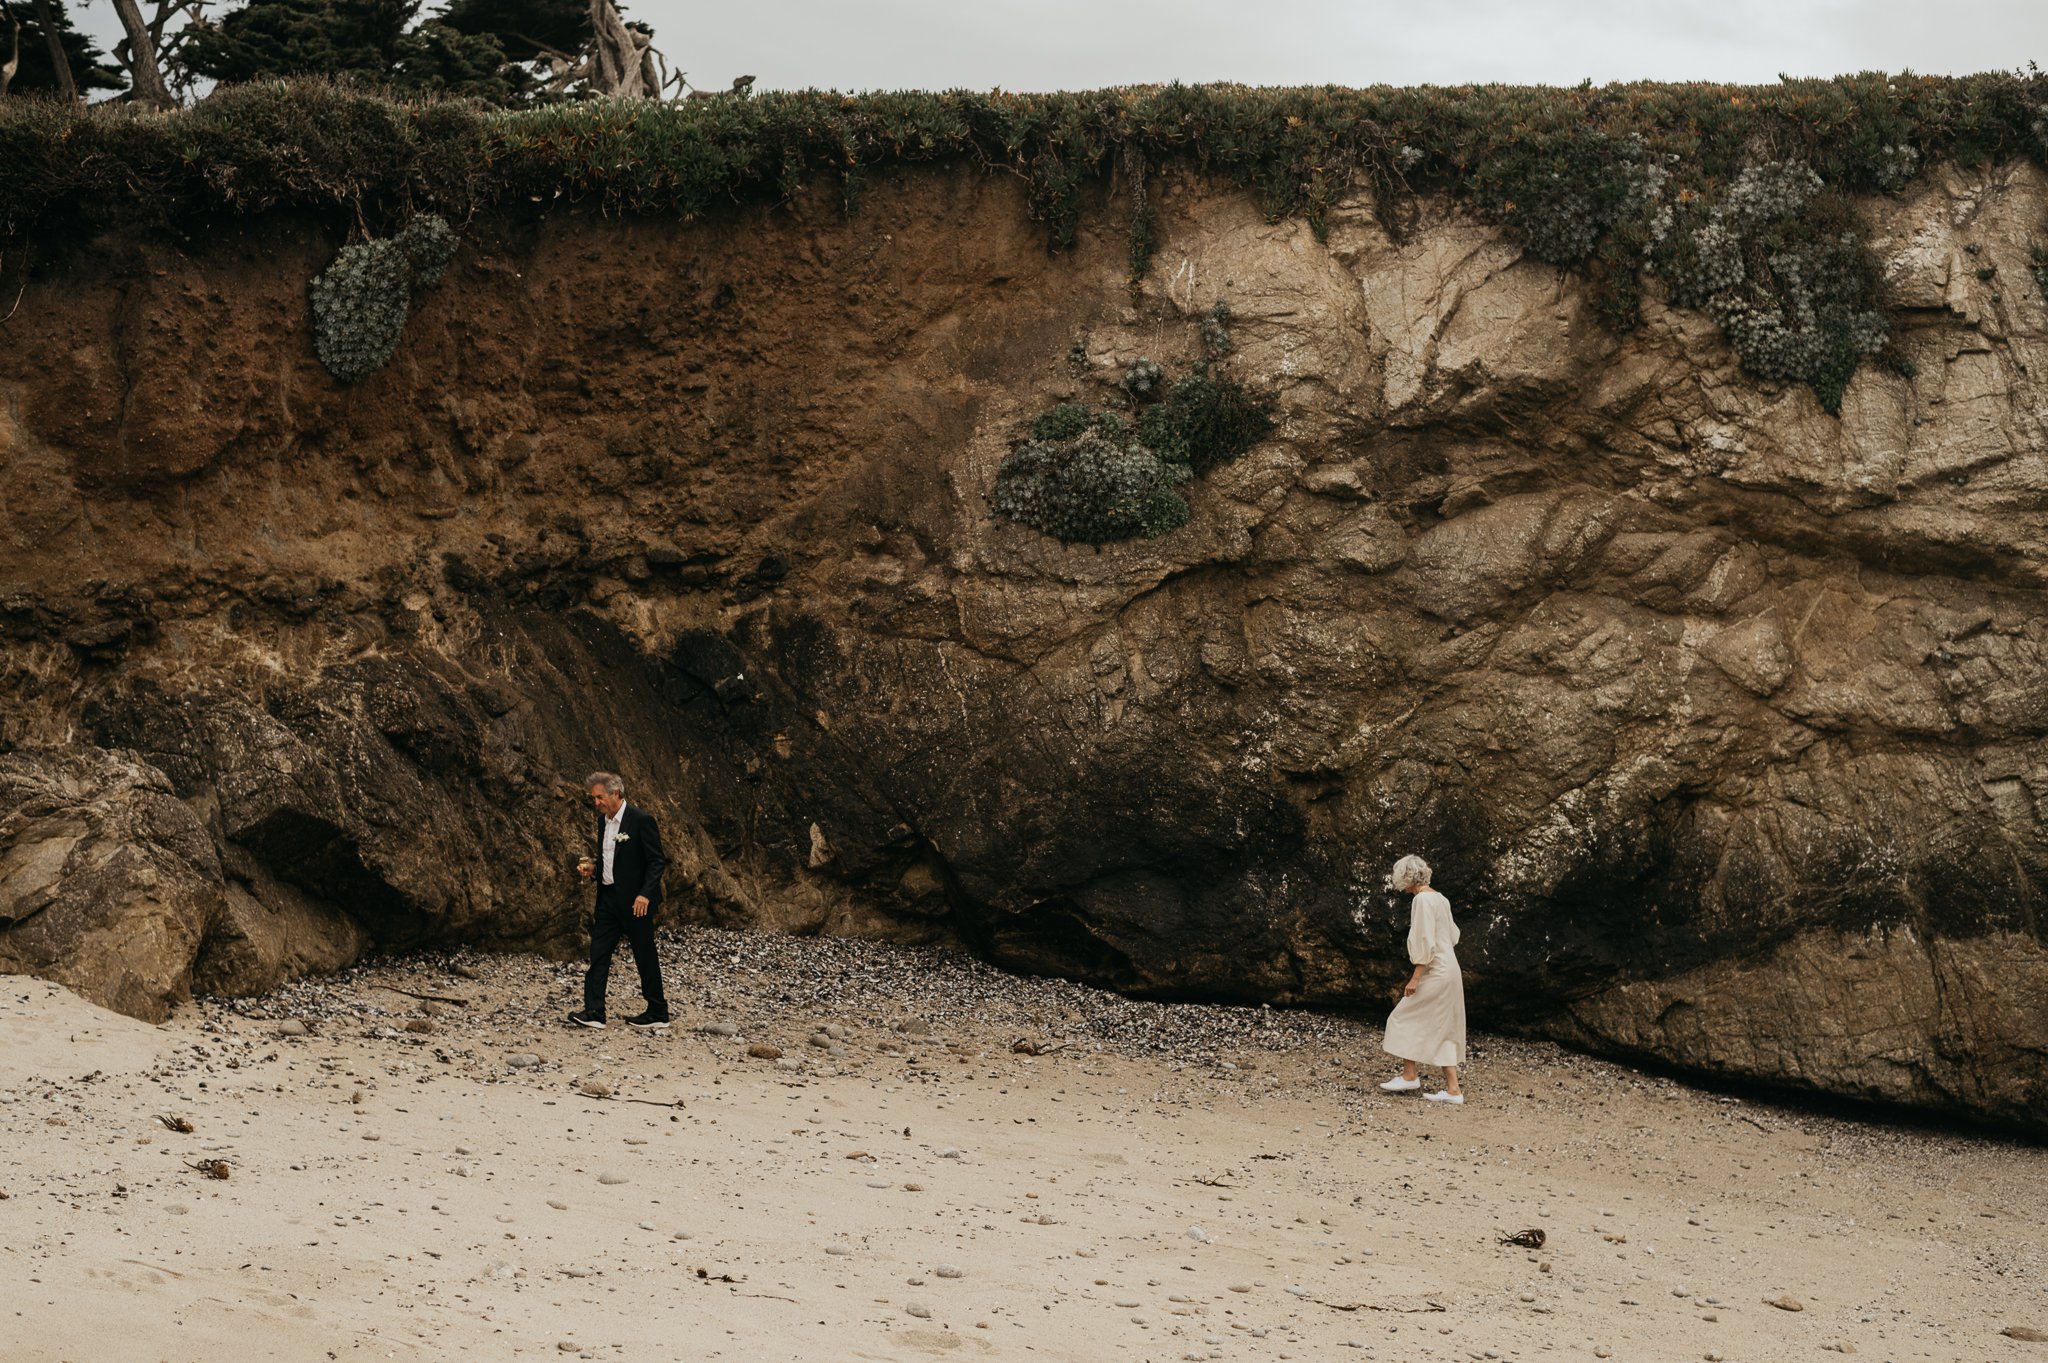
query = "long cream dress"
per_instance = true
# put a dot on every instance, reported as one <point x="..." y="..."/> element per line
<point x="1428" y="1026"/>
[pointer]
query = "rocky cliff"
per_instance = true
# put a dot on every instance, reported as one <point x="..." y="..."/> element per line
<point x="1725" y="720"/>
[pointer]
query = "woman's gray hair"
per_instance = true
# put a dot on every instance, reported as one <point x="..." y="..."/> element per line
<point x="611" y="781"/>
<point x="1410" y="873"/>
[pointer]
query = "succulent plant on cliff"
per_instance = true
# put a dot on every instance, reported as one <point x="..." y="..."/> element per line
<point x="1562" y="193"/>
<point x="1205" y="420"/>
<point x="1216" y="342"/>
<point x="1141" y="377"/>
<point x="1091" y="488"/>
<point x="362" y="300"/>
<point x="1092" y="476"/>
<point x="1781" y="270"/>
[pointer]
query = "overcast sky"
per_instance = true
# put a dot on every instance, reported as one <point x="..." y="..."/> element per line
<point x="1074" y="45"/>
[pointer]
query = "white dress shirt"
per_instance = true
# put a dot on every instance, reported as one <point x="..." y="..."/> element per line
<point x="611" y="839"/>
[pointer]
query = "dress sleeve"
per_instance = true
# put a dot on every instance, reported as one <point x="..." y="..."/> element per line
<point x="1421" y="950"/>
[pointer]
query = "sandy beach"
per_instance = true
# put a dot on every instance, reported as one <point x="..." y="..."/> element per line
<point x="844" y="1150"/>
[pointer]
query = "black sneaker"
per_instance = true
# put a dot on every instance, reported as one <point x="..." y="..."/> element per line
<point x="581" y="1019"/>
<point x="649" y="1021"/>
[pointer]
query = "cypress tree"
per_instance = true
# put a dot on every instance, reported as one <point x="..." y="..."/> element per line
<point x="528" y="30"/>
<point x="365" y="39"/>
<point x="269" y="38"/>
<point x="91" y="68"/>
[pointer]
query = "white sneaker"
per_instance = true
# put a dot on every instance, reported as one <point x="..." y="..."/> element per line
<point x="1441" y="1097"/>
<point x="1399" y="1085"/>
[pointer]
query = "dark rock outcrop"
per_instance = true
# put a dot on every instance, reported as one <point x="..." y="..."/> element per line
<point x="1725" y="720"/>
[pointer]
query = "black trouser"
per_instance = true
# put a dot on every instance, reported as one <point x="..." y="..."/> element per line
<point x="615" y="920"/>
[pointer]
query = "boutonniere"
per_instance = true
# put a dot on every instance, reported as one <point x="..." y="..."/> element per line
<point x="623" y="837"/>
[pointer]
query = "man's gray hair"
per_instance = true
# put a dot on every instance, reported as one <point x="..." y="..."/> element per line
<point x="1410" y="873"/>
<point x="610" y="780"/>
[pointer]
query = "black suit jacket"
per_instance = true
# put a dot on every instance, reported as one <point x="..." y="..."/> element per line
<point x="637" y="860"/>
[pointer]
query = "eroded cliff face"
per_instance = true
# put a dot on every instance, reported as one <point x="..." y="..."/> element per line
<point x="1722" y="719"/>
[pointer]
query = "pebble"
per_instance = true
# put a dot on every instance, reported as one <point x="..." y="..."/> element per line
<point x="839" y="1249"/>
<point x="949" y="1153"/>
<point x="720" y="1029"/>
<point x="294" y="1027"/>
<point x="558" y="1205"/>
<point x="917" y="1309"/>
<point x="520" y="1060"/>
<point x="1198" y="1235"/>
<point x="761" y="1050"/>
<point x="611" y="1179"/>
<point x="1788" y="1303"/>
<point x="594" y="1088"/>
<point x="949" y="1271"/>
<point x="420" y="1027"/>
<point x="646" y="1225"/>
<point x="1127" y="1303"/>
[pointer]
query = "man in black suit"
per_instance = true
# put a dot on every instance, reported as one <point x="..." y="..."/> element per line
<point x="627" y="869"/>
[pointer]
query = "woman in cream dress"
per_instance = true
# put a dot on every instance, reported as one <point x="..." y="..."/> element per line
<point x="1428" y="1024"/>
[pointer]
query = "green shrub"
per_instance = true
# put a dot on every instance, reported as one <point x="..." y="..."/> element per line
<point x="1063" y="422"/>
<point x="1089" y="489"/>
<point x="1070" y="419"/>
<point x="1562" y="193"/>
<point x="1777" y="264"/>
<point x="362" y="300"/>
<point x="1205" y="421"/>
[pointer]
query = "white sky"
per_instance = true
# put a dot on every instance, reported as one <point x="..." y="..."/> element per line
<point x="1085" y="44"/>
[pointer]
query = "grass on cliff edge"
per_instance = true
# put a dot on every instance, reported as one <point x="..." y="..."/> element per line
<point x="1515" y="151"/>
<point x="1587" y="177"/>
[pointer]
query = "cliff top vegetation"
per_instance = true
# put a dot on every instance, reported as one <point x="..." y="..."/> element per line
<point x="1739" y="196"/>
<point x="1515" y="151"/>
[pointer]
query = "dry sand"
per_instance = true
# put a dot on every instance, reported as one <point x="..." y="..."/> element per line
<point x="1172" y="1182"/>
